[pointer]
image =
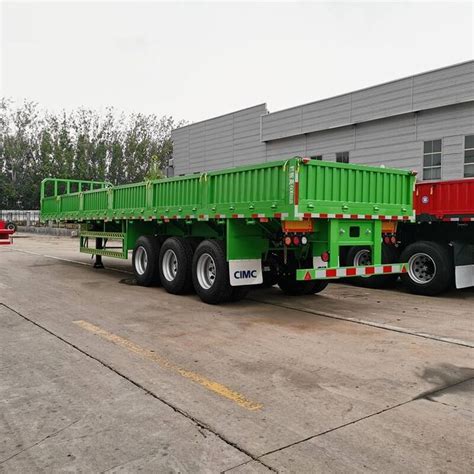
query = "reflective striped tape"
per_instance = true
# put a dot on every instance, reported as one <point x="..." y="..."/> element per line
<point x="343" y="272"/>
<point x="458" y="219"/>
<point x="322" y="215"/>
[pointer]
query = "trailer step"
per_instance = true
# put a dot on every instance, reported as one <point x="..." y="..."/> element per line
<point x="105" y="236"/>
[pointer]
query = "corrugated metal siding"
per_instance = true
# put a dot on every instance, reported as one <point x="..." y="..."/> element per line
<point x="450" y="85"/>
<point x="314" y="129"/>
<point x="395" y="141"/>
<point x="221" y="142"/>
<point x="452" y="163"/>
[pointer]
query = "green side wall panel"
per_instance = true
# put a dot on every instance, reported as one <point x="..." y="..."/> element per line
<point x="268" y="189"/>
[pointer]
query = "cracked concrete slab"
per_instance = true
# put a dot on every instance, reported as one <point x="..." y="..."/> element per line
<point x="459" y="396"/>
<point x="419" y="436"/>
<point x="60" y="410"/>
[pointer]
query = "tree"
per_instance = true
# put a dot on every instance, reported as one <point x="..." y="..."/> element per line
<point x="81" y="144"/>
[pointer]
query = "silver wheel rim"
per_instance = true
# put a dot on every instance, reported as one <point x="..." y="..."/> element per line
<point x="362" y="258"/>
<point x="169" y="265"/>
<point x="141" y="260"/>
<point x="206" y="271"/>
<point x="421" y="268"/>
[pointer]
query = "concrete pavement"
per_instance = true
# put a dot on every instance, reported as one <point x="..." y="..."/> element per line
<point x="351" y="379"/>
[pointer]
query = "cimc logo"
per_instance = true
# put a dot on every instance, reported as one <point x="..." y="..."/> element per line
<point x="242" y="274"/>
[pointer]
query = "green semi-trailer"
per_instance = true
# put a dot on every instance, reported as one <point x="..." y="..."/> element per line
<point x="284" y="223"/>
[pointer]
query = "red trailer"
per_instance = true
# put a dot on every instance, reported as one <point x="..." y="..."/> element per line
<point x="449" y="201"/>
<point x="438" y="246"/>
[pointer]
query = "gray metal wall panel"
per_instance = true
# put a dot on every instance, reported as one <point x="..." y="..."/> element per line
<point x="326" y="113"/>
<point x="451" y="85"/>
<point x="452" y="164"/>
<point x="287" y="148"/>
<point x="394" y="142"/>
<point x="222" y="142"/>
<point x="445" y="86"/>
<point x="381" y="101"/>
<point x="438" y="123"/>
<point x="327" y="141"/>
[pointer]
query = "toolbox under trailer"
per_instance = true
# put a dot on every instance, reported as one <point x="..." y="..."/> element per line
<point x="284" y="223"/>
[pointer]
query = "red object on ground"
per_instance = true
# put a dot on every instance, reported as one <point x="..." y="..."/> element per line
<point x="5" y="234"/>
<point x="445" y="200"/>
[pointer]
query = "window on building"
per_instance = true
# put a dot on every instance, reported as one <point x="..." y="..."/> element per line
<point x="469" y="156"/>
<point x="432" y="159"/>
<point x="342" y="157"/>
<point x="317" y="157"/>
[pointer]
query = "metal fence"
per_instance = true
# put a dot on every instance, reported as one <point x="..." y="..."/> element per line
<point x="21" y="217"/>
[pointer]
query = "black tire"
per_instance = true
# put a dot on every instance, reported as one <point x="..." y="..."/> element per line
<point x="423" y="258"/>
<point x="319" y="285"/>
<point x="146" y="274"/>
<point x="218" y="289"/>
<point x="293" y="287"/>
<point x="390" y="254"/>
<point x="11" y="226"/>
<point x="239" y="292"/>
<point x="176" y="258"/>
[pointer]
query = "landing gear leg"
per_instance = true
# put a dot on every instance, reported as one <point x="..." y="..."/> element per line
<point x="98" y="258"/>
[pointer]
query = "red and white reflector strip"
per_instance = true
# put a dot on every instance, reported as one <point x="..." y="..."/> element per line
<point x="344" y="272"/>
<point x="458" y="219"/>
<point x="322" y="215"/>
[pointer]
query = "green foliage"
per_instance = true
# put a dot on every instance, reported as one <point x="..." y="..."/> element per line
<point x="155" y="171"/>
<point x="81" y="144"/>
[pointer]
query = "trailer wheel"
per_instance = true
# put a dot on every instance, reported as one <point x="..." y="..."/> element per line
<point x="145" y="260"/>
<point x="176" y="257"/>
<point x="11" y="226"/>
<point x="430" y="268"/>
<point x="361" y="256"/>
<point x="211" y="273"/>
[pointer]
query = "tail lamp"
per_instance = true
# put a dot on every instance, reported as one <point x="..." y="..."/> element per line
<point x="295" y="240"/>
<point x="325" y="256"/>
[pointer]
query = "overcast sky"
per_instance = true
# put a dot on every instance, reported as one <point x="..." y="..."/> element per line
<point x="198" y="60"/>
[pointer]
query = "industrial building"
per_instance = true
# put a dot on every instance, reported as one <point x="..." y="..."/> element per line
<point x="423" y="122"/>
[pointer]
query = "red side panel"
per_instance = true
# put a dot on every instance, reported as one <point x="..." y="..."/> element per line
<point x="445" y="198"/>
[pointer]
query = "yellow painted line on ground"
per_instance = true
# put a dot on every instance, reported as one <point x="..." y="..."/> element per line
<point x="211" y="385"/>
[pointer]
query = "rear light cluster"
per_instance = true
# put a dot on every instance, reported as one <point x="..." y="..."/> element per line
<point x="294" y="240"/>
<point x="389" y="239"/>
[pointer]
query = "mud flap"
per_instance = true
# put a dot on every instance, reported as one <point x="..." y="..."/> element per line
<point x="463" y="264"/>
<point x="245" y="272"/>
